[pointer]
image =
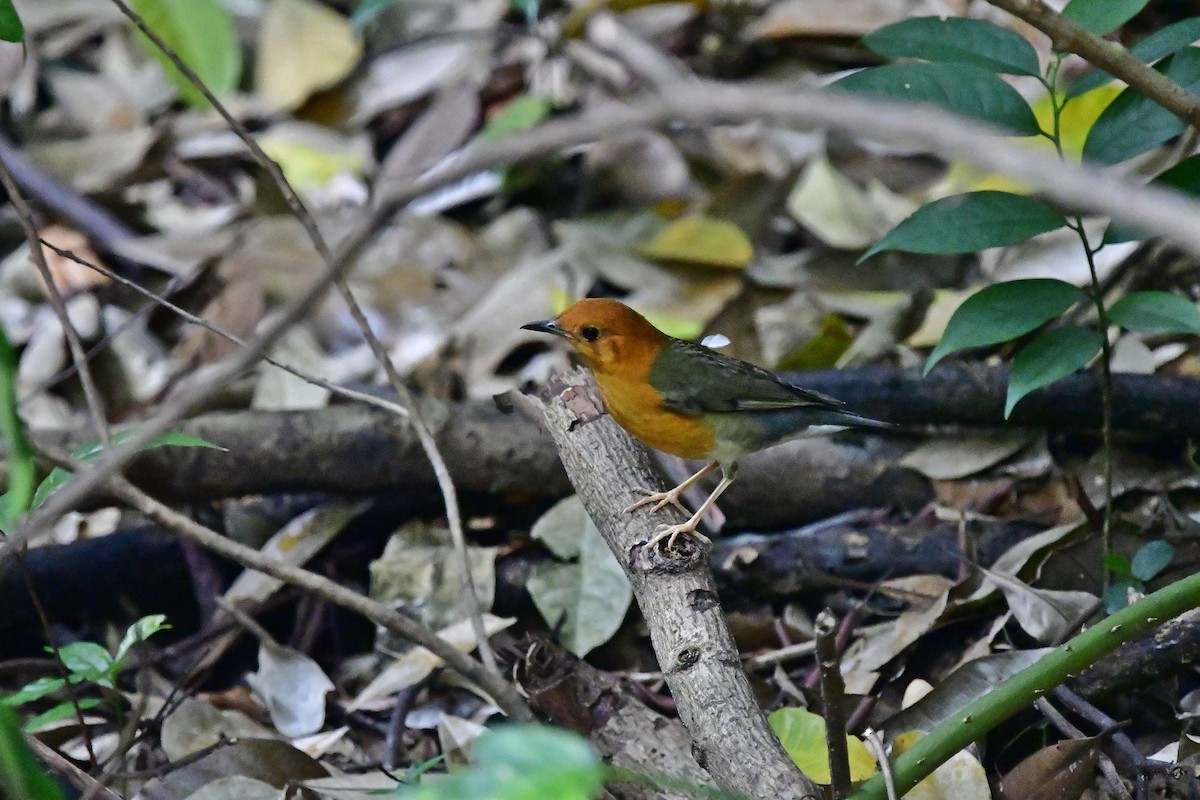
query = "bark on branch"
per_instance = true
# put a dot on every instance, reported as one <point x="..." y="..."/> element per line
<point x="678" y="599"/>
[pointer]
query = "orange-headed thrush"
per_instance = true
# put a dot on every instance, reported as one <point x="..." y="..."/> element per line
<point x="686" y="399"/>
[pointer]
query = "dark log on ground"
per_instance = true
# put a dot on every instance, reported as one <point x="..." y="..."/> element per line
<point x="629" y="735"/>
<point x="974" y="394"/>
<point x="353" y="449"/>
<point x="856" y="547"/>
<point x="1165" y="653"/>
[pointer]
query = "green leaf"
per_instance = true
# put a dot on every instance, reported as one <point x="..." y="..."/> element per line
<point x="65" y="710"/>
<point x="1151" y="559"/>
<point x="34" y="690"/>
<point x="1156" y="312"/>
<point x="1183" y="177"/>
<point x="957" y="40"/>
<point x="1133" y="124"/>
<point x="802" y="734"/>
<point x="1004" y="311"/>
<point x="1102" y="17"/>
<point x="521" y="762"/>
<point x="22" y="473"/>
<point x="202" y="34"/>
<point x="1159" y="44"/>
<point x="92" y="452"/>
<point x="1053" y="355"/>
<point x="1116" y="596"/>
<point x="965" y="223"/>
<point x="959" y="88"/>
<point x="533" y="762"/>
<point x="21" y="776"/>
<point x="1118" y="565"/>
<point x="11" y="29"/>
<point x="521" y="113"/>
<point x="86" y="660"/>
<point x="139" y="631"/>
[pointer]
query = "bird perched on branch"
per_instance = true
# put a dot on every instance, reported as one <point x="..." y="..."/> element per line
<point x="690" y="401"/>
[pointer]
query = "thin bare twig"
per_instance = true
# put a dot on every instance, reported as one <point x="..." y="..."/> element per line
<point x="90" y="393"/>
<point x="1067" y="35"/>
<point x="1065" y="727"/>
<point x="1158" y="211"/>
<point x="414" y="416"/>
<point x="187" y="316"/>
<point x="833" y="694"/>
<point x="874" y="743"/>
<point x="60" y="763"/>
<point x="503" y="692"/>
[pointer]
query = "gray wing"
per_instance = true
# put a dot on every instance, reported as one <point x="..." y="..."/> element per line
<point x="693" y="379"/>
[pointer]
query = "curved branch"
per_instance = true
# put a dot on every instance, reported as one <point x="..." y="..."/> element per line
<point x="678" y="597"/>
<point x="1155" y="210"/>
<point x="1111" y="57"/>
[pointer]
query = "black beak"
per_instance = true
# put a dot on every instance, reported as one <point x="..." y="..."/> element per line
<point x="545" y="326"/>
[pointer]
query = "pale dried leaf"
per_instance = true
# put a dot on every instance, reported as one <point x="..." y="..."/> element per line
<point x="303" y="46"/>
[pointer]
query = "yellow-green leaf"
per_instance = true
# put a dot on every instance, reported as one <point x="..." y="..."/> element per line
<point x="701" y="240"/>
<point x="802" y="734"/>
<point x="823" y="350"/>
<point x="960" y="778"/>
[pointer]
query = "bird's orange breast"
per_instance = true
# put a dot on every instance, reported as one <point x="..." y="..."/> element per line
<point x="637" y="408"/>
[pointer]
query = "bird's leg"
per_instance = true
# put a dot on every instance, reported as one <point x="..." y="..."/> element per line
<point x="672" y="532"/>
<point x="670" y="498"/>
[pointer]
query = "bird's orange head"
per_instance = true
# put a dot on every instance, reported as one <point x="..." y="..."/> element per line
<point x="610" y="336"/>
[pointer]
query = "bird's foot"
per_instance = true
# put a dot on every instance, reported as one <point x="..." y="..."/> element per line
<point x="660" y="499"/>
<point x="673" y="532"/>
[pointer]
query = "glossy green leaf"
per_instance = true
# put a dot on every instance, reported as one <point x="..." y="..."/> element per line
<point x="202" y="34"/>
<point x="11" y="29"/>
<point x="1151" y="559"/>
<point x="92" y="452"/>
<point x="1004" y="311"/>
<point x="1053" y="355"/>
<point x="966" y="223"/>
<point x="1156" y="312"/>
<point x="21" y="776"/>
<point x="1159" y="44"/>
<point x="1102" y="17"/>
<point x="1183" y="177"/>
<point x="959" y="88"/>
<point x="22" y="473"/>
<point x="957" y="40"/>
<point x="1133" y="124"/>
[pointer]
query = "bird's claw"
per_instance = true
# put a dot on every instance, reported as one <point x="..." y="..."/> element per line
<point x="660" y="499"/>
<point x="673" y="532"/>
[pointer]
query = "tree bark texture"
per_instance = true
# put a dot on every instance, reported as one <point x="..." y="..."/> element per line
<point x="677" y="595"/>
<point x="573" y="694"/>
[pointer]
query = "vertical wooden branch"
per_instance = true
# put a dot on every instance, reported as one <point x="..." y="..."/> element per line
<point x="833" y="690"/>
<point x="676" y="592"/>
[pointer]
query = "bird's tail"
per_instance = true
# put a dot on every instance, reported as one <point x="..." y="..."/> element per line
<point x="851" y="419"/>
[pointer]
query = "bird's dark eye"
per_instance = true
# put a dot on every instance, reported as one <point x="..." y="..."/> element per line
<point x="590" y="332"/>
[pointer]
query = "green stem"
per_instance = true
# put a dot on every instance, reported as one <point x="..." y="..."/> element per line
<point x="1106" y="396"/>
<point x="22" y="473"/>
<point x="1097" y="297"/>
<point x="1022" y="689"/>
